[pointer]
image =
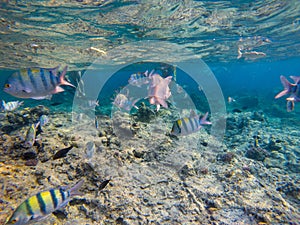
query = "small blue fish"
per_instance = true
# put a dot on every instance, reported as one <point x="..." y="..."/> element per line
<point x="36" y="83"/>
<point x="10" y="106"/>
<point x="188" y="125"/>
<point x="41" y="205"/>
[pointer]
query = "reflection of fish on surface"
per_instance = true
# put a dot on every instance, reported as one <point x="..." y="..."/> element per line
<point x="290" y="89"/>
<point x="36" y="83"/>
<point x="250" y="55"/>
<point x="159" y="90"/>
<point x="10" y="106"/>
<point x="248" y="43"/>
<point x="41" y="205"/>
<point x="188" y="125"/>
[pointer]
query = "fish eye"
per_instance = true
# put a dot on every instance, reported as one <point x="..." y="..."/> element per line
<point x="7" y="85"/>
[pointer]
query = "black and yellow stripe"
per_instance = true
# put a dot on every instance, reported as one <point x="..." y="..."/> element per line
<point x="45" y="202"/>
<point x="53" y="79"/>
<point x="185" y="126"/>
<point x="54" y="198"/>
<point x="43" y="77"/>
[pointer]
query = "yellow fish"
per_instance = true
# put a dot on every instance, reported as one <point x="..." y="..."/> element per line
<point x="41" y="205"/>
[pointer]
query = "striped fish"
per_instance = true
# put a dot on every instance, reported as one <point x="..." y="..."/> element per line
<point x="139" y="79"/>
<point x="10" y="106"/>
<point x="36" y="83"/>
<point x="188" y="125"/>
<point x="31" y="135"/>
<point x="41" y="205"/>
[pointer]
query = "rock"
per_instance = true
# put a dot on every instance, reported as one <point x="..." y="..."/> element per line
<point x="256" y="153"/>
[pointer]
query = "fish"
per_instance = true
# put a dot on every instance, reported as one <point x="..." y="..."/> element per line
<point x="10" y="106"/>
<point x="250" y="55"/>
<point x="56" y="103"/>
<point x="139" y="79"/>
<point x="31" y="135"/>
<point x="290" y="106"/>
<point x="44" y="119"/>
<point x="292" y="89"/>
<point x="62" y="153"/>
<point x="231" y="100"/>
<point x="96" y="123"/>
<point x="159" y="91"/>
<point x="256" y="141"/>
<point x="103" y="184"/>
<point x="93" y="103"/>
<point x="188" y="125"/>
<point x="248" y="43"/>
<point x="41" y="205"/>
<point x="90" y="149"/>
<point x="122" y="101"/>
<point x="36" y="83"/>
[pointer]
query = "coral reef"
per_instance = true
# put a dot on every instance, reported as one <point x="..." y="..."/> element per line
<point x="154" y="177"/>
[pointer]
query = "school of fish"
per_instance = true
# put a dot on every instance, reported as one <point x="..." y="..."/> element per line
<point x="42" y="83"/>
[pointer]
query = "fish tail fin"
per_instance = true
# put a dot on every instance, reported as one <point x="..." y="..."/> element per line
<point x="296" y="79"/>
<point x="286" y="85"/>
<point x="74" y="190"/>
<point x="62" y="80"/>
<point x="203" y="120"/>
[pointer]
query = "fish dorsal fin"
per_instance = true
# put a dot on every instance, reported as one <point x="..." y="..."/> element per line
<point x="193" y="113"/>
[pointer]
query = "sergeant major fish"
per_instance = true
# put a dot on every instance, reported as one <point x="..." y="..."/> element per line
<point x="36" y="83"/>
<point x="31" y="135"/>
<point x="10" y="106"/>
<point x="188" y="125"/>
<point x="138" y="79"/>
<point x="41" y="205"/>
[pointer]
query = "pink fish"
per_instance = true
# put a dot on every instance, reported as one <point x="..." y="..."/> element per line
<point x="159" y="91"/>
<point x="290" y="89"/>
